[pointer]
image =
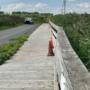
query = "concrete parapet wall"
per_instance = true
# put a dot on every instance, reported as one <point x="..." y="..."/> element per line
<point x="72" y="73"/>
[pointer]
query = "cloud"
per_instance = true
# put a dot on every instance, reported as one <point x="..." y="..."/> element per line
<point x="71" y="0"/>
<point x="16" y="6"/>
<point x="84" y="5"/>
<point x="42" y="7"/>
<point x="57" y="10"/>
<point x="21" y="6"/>
<point x="80" y="8"/>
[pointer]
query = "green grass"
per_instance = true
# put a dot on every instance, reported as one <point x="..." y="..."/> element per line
<point x="7" y="50"/>
<point x="77" y="28"/>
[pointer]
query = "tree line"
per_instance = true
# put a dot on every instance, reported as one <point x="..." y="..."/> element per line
<point x="31" y="13"/>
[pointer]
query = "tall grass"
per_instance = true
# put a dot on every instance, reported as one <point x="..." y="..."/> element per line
<point x="77" y="28"/>
<point x="8" y="20"/>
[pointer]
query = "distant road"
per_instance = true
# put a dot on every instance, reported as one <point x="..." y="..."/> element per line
<point x="8" y="34"/>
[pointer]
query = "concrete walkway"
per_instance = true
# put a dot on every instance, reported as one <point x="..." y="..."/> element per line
<point x="30" y="68"/>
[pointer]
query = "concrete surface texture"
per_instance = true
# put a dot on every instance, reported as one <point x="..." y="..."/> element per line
<point x="74" y="69"/>
<point x="8" y="34"/>
<point x="30" y="68"/>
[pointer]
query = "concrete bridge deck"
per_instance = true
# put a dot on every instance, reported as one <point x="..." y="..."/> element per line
<point x="30" y="68"/>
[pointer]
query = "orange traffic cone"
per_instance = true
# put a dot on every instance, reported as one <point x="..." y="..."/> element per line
<point x="50" y="51"/>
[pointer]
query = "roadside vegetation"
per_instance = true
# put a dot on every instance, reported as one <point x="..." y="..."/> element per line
<point x="38" y="18"/>
<point x="17" y="18"/>
<point x="8" y="21"/>
<point x="77" y="28"/>
<point x="7" y="50"/>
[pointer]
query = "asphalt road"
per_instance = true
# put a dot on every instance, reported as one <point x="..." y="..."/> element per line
<point x="8" y="34"/>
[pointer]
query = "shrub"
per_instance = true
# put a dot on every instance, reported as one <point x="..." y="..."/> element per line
<point x="8" y="20"/>
<point x="77" y="28"/>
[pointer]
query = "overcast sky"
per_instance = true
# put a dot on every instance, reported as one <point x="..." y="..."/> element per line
<point x="45" y="6"/>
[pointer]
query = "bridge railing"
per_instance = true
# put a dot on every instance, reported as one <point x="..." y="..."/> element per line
<point x="71" y="72"/>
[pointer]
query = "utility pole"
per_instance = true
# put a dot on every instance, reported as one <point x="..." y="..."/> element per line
<point x="63" y="10"/>
<point x="64" y="3"/>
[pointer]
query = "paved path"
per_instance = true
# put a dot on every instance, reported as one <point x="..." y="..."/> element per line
<point x="8" y="34"/>
<point x="30" y="68"/>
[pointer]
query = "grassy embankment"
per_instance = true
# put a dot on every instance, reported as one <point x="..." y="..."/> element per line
<point x="77" y="28"/>
<point x="7" y="50"/>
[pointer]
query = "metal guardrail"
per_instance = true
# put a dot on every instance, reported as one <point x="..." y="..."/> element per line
<point x="71" y="72"/>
